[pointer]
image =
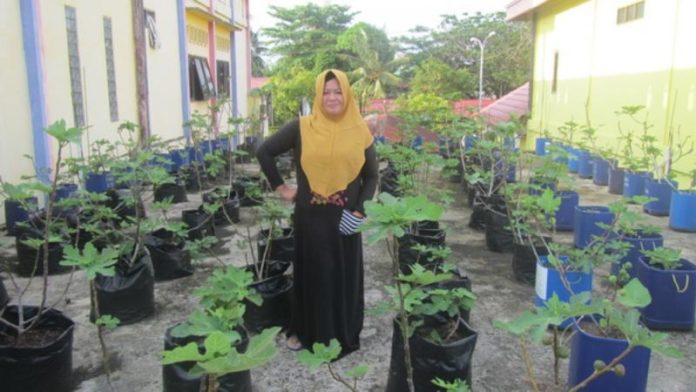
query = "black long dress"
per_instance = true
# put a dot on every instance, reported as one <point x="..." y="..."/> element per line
<point x="328" y="297"/>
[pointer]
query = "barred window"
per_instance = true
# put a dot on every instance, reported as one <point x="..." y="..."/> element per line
<point x="75" y="68"/>
<point x="630" y="12"/>
<point x="110" y="69"/>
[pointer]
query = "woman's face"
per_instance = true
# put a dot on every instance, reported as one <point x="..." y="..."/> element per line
<point x="332" y="100"/>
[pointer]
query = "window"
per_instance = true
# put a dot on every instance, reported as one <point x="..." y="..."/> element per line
<point x="630" y="12"/>
<point x="201" y="83"/>
<point x="75" y="68"/>
<point x="554" y="83"/>
<point x="223" y="78"/>
<point x="151" y="27"/>
<point x="110" y="69"/>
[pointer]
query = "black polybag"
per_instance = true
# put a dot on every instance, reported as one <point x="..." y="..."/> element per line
<point x="282" y="247"/>
<point x="524" y="262"/>
<point x="175" y="192"/>
<point x="228" y="212"/>
<point x="175" y="377"/>
<point x="4" y="297"/>
<point x="129" y="295"/>
<point x="200" y="224"/>
<point x="499" y="236"/>
<point x="426" y="233"/>
<point x="28" y="257"/>
<point x="44" y="368"/>
<point x="276" y="292"/>
<point x="448" y="361"/>
<point x="169" y="258"/>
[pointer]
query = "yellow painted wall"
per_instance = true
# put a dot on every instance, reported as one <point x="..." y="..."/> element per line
<point x="15" y="126"/>
<point x="163" y="72"/>
<point x="648" y="62"/>
<point x="90" y="32"/>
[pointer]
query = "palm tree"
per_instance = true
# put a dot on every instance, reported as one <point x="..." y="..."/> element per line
<point x="371" y="77"/>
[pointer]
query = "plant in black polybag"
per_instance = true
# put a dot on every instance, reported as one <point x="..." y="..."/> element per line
<point x="216" y="329"/>
<point x="416" y="306"/>
<point x="53" y="360"/>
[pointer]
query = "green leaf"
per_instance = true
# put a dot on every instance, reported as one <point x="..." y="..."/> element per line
<point x="260" y="350"/>
<point x="182" y="354"/>
<point x="358" y="371"/>
<point x="91" y="260"/>
<point x="64" y="135"/>
<point x="108" y="321"/>
<point x="634" y="294"/>
<point x="320" y="354"/>
<point x="19" y="192"/>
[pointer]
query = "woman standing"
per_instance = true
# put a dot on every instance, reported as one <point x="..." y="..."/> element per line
<point x="337" y="172"/>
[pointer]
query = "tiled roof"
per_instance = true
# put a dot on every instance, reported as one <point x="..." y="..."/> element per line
<point x="389" y="126"/>
<point x="516" y="102"/>
<point x="469" y="107"/>
<point x="463" y="107"/>
<point x="257" y="82"/>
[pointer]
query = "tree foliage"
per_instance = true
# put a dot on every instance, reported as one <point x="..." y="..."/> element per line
<point x="440" y="62"/>
<point x="306" y="35"/>
<point x="370" y="58"/>
<point x="436" y="77"/>
<point x="507" y="62"/>
<point x="288" y="86"/>
<point x="258" y="64"/>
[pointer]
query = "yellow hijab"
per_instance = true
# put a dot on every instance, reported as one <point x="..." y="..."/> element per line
<point x="333" y="148"/>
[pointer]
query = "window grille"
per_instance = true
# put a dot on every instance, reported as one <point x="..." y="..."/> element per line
<point x="74" y="67"/>
<point x="110" y="69"/>
<point x="630" y="12"/>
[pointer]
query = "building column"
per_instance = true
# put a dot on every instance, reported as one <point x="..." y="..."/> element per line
<point x="212" y="62"/>
<point x="234" y="93"/>
<point x="142" y="93"/>
<point x="34" y="60"/>
<point x="183" y="70"/>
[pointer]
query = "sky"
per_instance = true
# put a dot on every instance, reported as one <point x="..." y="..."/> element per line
<point x="396" y="17"/>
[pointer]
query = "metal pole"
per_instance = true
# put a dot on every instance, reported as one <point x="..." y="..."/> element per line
<point x="482" y="47"/>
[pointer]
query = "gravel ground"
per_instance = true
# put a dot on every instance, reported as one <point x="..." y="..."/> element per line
<point x="497" y="359"/>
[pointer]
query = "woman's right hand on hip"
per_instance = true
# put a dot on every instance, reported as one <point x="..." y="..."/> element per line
<point x="287" y="192"/>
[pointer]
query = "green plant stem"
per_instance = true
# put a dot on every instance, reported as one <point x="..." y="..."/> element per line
<point x="100" y="334"/>
<point x="556" y="359"/>
<point x="340" y="379"/>
<point x="403" y="317"/>
<point x="211" y="384"/>
<point x="597" y="373"/>
<point x="528" y="365"/>
<point x="47" y="234"/>
<point x="454" y="329"/>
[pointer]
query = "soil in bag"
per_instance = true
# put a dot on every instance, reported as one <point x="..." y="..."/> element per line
<point x="45" y="365"/>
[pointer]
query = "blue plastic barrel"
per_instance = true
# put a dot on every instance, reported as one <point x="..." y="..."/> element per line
<point x="682" y="211"/>
<point x="661" y="191"/>
<point x="586" y="220"/>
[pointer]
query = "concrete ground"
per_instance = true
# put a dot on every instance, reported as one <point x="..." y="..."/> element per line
<point x="497" y="360"/>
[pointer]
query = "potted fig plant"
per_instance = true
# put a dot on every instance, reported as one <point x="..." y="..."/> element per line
<point x="211" y="350"/>
<point x="388" y="219"/>
<point x="21" y="356"/>
<point x="668" y="277"/>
